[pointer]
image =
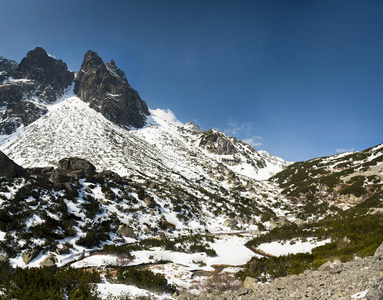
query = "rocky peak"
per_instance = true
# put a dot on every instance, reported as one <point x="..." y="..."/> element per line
<point x="6" y="66"/>
<point x="193" y="127"/>
<point x="44" y="69"/>
<point x="38" y="80"/>
<point x="106" y="89"/>
<point x="91" y="61"/>
<point x="116" y="72"/>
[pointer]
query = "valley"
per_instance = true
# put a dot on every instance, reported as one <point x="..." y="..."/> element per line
<point x="141" y="205"/>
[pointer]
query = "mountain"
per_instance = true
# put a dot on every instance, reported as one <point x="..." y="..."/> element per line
<point x="91" y="177"/>
<point x="195" y="179"/>
<point x="322" y="185"/>
<point x="26" y="90"/>
<point x="107" y="90"/>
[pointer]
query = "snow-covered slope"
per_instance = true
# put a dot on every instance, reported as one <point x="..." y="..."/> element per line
<point x="173" y="159"/>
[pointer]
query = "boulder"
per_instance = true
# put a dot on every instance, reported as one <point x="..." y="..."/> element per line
<point x="230" y="223"/>
<point x="161" y="236"/>
<point x="29" y="255"/>
<point x="8" y="168"/>
<point x="58" y="178"/>
<point x="49" y="262"/>
<point x="273" y="223"/>
<point x="149" y="201"/>
<point x="70" y="189"/>
<point x="77" y="164"/>
<point x="240" y="221"/>
<point x="282" y="221"/>
<point x="63" y="250"/>
<point x="126" y="231"/>
<point x="334" y="267"/>
<point x="250" y="283"/>
<point x="379" y="252"/>
<point x="3" y="258"/>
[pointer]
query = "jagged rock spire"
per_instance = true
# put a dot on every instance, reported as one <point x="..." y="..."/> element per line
<point x="107" y="90"/>
<point x="44" y="69"/>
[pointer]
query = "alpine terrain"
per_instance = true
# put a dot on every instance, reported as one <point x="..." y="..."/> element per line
<point x="102" y="197"/>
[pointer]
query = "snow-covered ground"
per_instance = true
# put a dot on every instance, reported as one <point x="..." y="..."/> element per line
<point x="114" y="289"/>
<point x="291" y="246"/>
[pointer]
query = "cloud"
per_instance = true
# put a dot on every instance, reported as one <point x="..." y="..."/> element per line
<point x="244" y="131"/>
<point x="253" y="141"/>
<point x="344" y="150"/>
<point x="165" y="116"/>
<point x="235" y="128"/>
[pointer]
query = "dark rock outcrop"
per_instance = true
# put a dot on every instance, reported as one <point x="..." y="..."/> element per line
<point x="8" y="168"/>
<point x="74" y="165"/>
<point x="218" y="143"/>
<point x="106" y="89"/>
<point x="6" y="66"/>
<point x="46" y="70"/>
<point x="69" y="171"/>
<point x="38" y="80"/>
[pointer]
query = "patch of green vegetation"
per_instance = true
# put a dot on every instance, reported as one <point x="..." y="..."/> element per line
<point x="356" y="188"/>
<point x="145" y="279"/>
<point x="47" y="283"/>
<point x="363" y="233"/>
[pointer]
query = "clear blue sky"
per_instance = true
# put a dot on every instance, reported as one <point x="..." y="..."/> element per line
<point x="302" y="78"/>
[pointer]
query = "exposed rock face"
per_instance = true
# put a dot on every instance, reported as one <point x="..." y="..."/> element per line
<point x="44" y="69"/>
<point x="38" y="80"/>
<point x="217" y="142"/>
<point x="107" y="90"/>
<point x="8" y="168"/>
<point x="6" y="66"/>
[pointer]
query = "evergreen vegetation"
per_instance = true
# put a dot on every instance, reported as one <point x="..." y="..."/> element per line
<point x="47" y="283"/>
<point x="352" y="233"/>
<point x="145" y="279"/>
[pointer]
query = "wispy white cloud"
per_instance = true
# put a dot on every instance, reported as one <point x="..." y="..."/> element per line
<point x="341" y="150"/>
<point x="244" y="131"/>
<point x="254" y="141"/>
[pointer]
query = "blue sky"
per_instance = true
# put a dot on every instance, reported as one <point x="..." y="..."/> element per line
<point x="299" y="79"/>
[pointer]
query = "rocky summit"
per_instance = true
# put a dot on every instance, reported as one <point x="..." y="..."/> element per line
<point x="106" y="89"/>
<point x="38" y="80"/>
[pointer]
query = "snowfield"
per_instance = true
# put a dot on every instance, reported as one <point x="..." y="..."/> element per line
<point x="291" y="246"/>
